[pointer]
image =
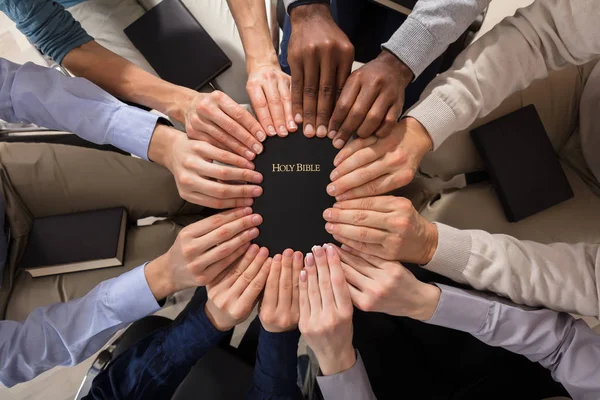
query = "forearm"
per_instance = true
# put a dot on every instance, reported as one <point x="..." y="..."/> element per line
<point x="68" y="333"/>
<point x="568" y="348"/>
<point x="156" y="366"/>
<point x="545" y="36"/>
<point x="251" y="20"/>
<point x="127" y="81"/>
<point x="430" y="28"/>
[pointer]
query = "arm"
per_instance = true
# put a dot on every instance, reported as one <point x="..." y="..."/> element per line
<point x="547" y="35"/>
<point x="68" y="333"/>
<point x="561" y="276"/>
<point x="567" y="347"/>
<point x="350" y="384"/>
<point x="268" y="86"/>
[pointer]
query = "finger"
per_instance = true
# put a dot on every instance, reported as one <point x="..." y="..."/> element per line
<point x="343" y="105"/>
<point x="286" y="99"/>
<point x="261" y="109"/>
<point x="220" y="190"/>
<point x="303" y="296"/>
<point x="310" y="93"/>
<point x="368" y="248"/>
<point x="326" y="95"/>
<point x="226" y="173"/>
<point x="358" y="233"/>
<point x="314" y="293"/>
<point x="227" y="140"/>
<point x="213" y="272"/>
<point x="353" y="147"/>
<point x="375" y="117"/>
<point x="368" y="218"/>
<point x="356" y="279"/>
<point x="338" y="280"/>
<point x="357" y="263"/>
<point x="227" y="278"/>
<point x="226" y="157"/>
<point x="371" y="259"/>
<point x="285" y="281"/>
<point x="343" y="71"/>
<point x="271" y="295"/>
<point x="276" y="107"/>
<point x="390" y="121"/>
<point x="358" y="297"/>
<point x="366" y="173"/>
<point x="364" y="101"/>
<point x="297" y="71"/>
<point x="213" y="222"/>
<point x="384" y="204"/>
<point x="231" y="122"/>
<point x="297" y="265"/>
<point x="245" y="272"/>
<point x="218" y="204"/>
<point x="254" y="289"/>
<point x="324" y="278"/>
<point x="224" y="249"/>
<point x="383" y="184"/>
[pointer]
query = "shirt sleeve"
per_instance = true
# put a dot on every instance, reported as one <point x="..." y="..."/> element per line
<point x="47" y="25"/>
<point x="154" y="367"/>
<point x="561" y="276"/>
<point x="430" y="28"/>
<point x="45" y="97"/>
<point x="275" y="371"/>
<point x="352" y="384"/>
<point x="547" y="35"/>
<point x="68" y="333"/>
<point x="565" y="346"/>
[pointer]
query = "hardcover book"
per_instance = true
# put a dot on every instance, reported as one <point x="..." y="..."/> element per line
<point x="522" y="164"/>
<point x="296" y="174"/>
<point x="76" y="242"/>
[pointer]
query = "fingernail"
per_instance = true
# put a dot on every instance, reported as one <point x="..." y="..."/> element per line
<point x="277" y="258"/>
<point x="303" y="276"/>
<point x="298" y="118"/>
<point x="337" y="205"/>
<point x="283" y="131"/>
<point x="341" y="197"/>
<point x="331" y="134"/>
<point x="253" y="233"/>
<point x="256" y="192"/>
<point x="298" y="256"/>
<point x="334" y="175"/>
<point x="256" y="219"/>
<point x="321" y="131"/>
<point x="249" y="165"/>
<point x="331" y="190"/>
<point x="338" y="143"/>
<point x="292" y="125"/>
<point x="247" y="211"/>
<point x="288" y="252"/>
<point x="257" y="148"/>
<point x="248" y="202"/>
<point x="336" y="161"/>
<point x="272" y="131"/>
<point x="309" y="130"/>
<point x="329" y="227"/>
<point x="257" y="178"/>
<point x="330" y="250"/>
<point x="310" y="260"/>
<point x="319" y="251"/>
<point x="261" y="136"/>
<point x="249" y="155"/>
<point x="327" y="214"/>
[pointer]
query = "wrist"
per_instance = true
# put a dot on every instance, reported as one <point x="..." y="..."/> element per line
<point x="161" y="144"/>
<point x="420" y="135"/>
<point x="339" y="362"/>
<point x="216" y="318"/>
<point x="308" y="11"/>
<point x="159" y="278"/>
<point x="389" y="58"/>
<point x="428" y="299"/>
<point x="261" y="60"/>
<point x="178" y="104"/>
<point x="431" y="242"/>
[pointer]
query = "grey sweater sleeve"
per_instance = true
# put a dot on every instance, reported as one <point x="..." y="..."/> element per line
<point x="430" y="28"/>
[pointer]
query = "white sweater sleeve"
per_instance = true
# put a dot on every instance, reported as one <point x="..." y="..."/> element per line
<point x="560" y="276"/>
<point x="547" y="35"/>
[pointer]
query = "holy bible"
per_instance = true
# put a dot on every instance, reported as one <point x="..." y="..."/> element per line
<point x="296" y="174"/>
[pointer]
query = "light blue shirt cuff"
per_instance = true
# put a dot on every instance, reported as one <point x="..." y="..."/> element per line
<point x="131" y="130"/>
<point x="130" y="297"/>
<point x="461" y="310"/>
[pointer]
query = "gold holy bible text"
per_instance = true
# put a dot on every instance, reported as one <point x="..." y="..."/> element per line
<point x="296" y="167"/>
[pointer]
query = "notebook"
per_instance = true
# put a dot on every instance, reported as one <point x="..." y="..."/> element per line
<point x="76" y="242"/>
<point x="522" y="164"/>
<point x="176" y="45"/>
<point x="295" y="173"/>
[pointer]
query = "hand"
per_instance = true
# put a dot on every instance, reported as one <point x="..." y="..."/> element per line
<point x="217" y="119"/>
<point x="280" y="310"/>
<point x="191" y="163"/>
<point x="269" y="90"/>
<point x="374" y="166"/>
<point x="233" y="296"/>
<point x="371" y="101"/>
<point x="202" y="251"/>
<point x="320" y="58"/>
<point x="386" y="226"/>
<point x="377" y="285"/>
<point x="326" y="311"/>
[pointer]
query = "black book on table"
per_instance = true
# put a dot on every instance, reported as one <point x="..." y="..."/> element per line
<point x="296" y="174"/>
<point x="76" y="242"/>
<point x="523" y="167"/>
<point x="177" y="46"/>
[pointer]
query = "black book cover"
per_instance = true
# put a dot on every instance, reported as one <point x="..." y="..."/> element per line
<point x="75" y="242"/>
<point x="296" y="174"/>
<point x="522" y="164"/>
<point x="177" y="46"/>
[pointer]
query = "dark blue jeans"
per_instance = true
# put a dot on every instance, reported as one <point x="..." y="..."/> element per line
<point x="357" y="18"/>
